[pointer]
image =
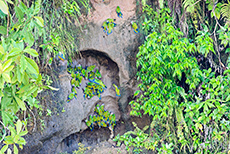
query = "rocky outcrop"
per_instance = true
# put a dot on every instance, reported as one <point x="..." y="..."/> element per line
<point x="114" y="56"/>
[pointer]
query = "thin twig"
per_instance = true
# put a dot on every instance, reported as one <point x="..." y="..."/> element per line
<point x="34" y="118"/>
<point x="4" y="133"/>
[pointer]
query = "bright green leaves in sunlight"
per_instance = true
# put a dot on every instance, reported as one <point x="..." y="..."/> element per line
<point x="204" y="42"/>
<point x="189" y="107"/>
<point x="39" y="21"/>
<point x="5" y="69"/>
<point x="20" y="80"/>
<point x="3" y="7"/>
<point x="15" y="137"/>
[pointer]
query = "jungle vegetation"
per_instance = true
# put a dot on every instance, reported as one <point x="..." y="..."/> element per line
<point x="182" y="66"/>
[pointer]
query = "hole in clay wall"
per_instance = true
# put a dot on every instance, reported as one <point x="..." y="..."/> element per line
<point x="106" y="66"/>
<point x="88" y="138"/>
<point x="110" y="75"/>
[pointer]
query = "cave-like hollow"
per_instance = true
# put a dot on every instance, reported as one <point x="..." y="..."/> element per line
<point x="110" y="75"/>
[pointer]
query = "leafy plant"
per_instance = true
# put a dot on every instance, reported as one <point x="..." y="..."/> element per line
<point x="81" y="149"/>
<point x="20" y="80"/>
<point x="15" y="137"/>
<point x="189" y="106"/>
<point x="136" y="139"/>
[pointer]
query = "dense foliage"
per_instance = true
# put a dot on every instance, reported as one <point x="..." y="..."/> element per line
<point x="183" y="69"/>
<point x="22" y="32"/>
<point x="189" y="106"/>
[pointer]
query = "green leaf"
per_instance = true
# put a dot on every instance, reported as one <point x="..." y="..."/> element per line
<point x="23" y="133"/>
<point x="23" y="7"/>
<point x="8" y="69"/>
<point x="29" y="38"/>
<point x="4" y="148"/>
<point x="19" y="126"/>
<point x="22" y="141"/>
<point x="228" y="98"/>
<point x="7" y="78"/>
<point x="2" y="49"/>
<point x="19" y="13"/>
<point x="6" y="64"/>
<point x="20" y="103"/>
<point x="32" y="66"/>
<point x="16" y="138"/>
<point x="40" y="21"/>
<point x="14" y="51"/>
<point x="23" y="64"/>
<point x="136" y="93"/>
<point x="15" y="149"/>
<point x="25" y="78"/>
<point x="3" y="30"/>
<point x="227" y="50"/>
<point x="3" y="7"/>
<point x="31" y="51"/>
<point x="1" y="82"/>
<point x="6" y="117"/>
<point x="19" y="74"/>
<point x="24" y="88"/>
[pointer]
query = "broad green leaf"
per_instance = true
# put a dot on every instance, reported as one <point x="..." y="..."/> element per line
<point x="3" y="30"/>
<point x="22" y="141"/>
<point x="14" y="106"/>
<point x="31" y="90"/>
<point x="25" y="79"/>
<point x="19" y="13"/>
<point x="18" y="126"/>
<point x="19" y="74"/>
<point x="2" y="50"/>
<point x="8" y="69"/>
<point x="227" y="50"/>
<point x="7" y="78"/>
<point x="23" y="7"/>
<point x="32" y="66"/>
<point x="4" y="148"/>
<point x="39" y="20"/>
<point x="6" y="64"/>
<point x="14" y="51"/>
<point x="29" y="38"/>
<point x="23" y="64"/>
<point x="3" y="7"/>
<point x="15" y="149"/>
<point x="24" y="88"/>
<point x="20" y="103"/>
<point x="22" y="133"/>
<point x="16" y="138"/>
<point x="6" y="117"/>
<point x="31" y="51"/>
<point x="1" y="82"/>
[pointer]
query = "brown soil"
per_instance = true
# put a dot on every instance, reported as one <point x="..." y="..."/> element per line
<point x="107" y="9"/>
